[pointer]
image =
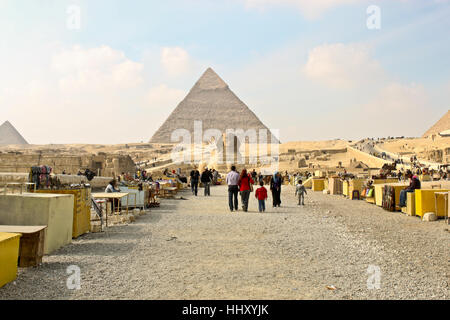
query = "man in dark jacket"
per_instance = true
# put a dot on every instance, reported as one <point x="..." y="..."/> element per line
<point x="195" y="176"/>
<point x="413" y="185"/>
<point x="206" y="179"/>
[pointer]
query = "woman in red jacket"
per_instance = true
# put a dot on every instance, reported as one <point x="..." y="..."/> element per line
<point x="245" y="186"/>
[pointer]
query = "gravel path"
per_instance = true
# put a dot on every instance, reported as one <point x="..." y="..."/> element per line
<point x="197" y="249"/>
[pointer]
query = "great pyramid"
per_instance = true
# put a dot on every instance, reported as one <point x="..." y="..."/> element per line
<point x="442" y="125"/>
<point x="212" y="102"/>
<point x="9" y="134"/>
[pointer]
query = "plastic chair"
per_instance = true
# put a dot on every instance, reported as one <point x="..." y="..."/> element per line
<point x="355" y="195"/>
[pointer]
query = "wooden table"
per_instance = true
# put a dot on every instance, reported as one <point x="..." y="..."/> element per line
<point x="32" y="242"/>
<point x="111" y="195"/>
<point x="171" y="191"/>
<point x="19" y="184"/>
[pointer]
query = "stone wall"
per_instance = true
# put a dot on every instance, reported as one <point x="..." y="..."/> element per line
<point x="103" y="164"/>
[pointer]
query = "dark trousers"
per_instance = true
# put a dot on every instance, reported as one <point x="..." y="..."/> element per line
<point x="233" y="195"/>
<point x="207" y="188"/>
<point x="194" y="187"/>
<point x="244" y="196"/>
<point x="262" y="205"/>
<point x="276" y="195"/>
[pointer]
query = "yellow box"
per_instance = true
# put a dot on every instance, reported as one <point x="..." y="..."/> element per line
<point x="378" y="194"/>
<point x="381" y="181"/>
<point x="355" y="184"/>
<point x="410" y="208"/>
<point x="318" y="184"/>
<point x="425" y="202"/>
<point x="9" y="257"/>
<point x="81" y="209"/>
<point x="345" y="187"/>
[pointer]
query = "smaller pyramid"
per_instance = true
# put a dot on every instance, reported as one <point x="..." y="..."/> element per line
<point x="440" y="126"/>
<point x="9" y="135"/>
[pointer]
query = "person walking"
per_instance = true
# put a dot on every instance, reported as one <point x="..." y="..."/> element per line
<point x="215" y="175"/>
<point x="245" y="187"/>
<point x="300" y="191"/>
<point x="232" y="180"/>
<point x="195" y="176"/>
<point x="275" y="187"/>
<point x="261" y="195"/>
<point x="206" y="179"/>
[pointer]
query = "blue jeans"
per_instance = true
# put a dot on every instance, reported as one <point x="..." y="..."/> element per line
<point x="402" y="200"/>
<point x="262" y="205"/>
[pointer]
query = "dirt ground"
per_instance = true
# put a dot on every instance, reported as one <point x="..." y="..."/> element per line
<point x="197" y="249"/>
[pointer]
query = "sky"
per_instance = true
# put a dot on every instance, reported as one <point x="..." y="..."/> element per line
<point x="110" y="71"/>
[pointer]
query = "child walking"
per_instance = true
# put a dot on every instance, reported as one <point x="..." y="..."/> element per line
<point x="300" y="190"/>
<point x="261" y="195"/>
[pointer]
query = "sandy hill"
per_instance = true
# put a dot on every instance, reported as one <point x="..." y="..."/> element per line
<point x="9" y="135"/>
<point x="442" y="125"/>
<point x="212" y="102"/>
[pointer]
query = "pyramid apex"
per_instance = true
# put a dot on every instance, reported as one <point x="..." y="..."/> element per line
<point x="210" y="80"/>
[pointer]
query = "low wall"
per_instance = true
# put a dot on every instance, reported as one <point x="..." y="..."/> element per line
<point x="371" y="161"/>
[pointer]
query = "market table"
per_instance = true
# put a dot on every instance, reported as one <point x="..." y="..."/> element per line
<point x="111" y="195"/>
<point x="171" y="191"/>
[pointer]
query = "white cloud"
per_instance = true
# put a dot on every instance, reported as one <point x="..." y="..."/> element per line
<point x="398" y="99"/>
<point x="175" y="60"/>
<point x="397" y="109"/>
<point x="342" y="66"/>
<point x="101" y="68"/>
<point x="164" y="97"/>
<point x="309" y="8"/>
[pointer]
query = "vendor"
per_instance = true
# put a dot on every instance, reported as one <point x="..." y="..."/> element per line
<point x="413" y="185"/>
<point x="112" y="187"/>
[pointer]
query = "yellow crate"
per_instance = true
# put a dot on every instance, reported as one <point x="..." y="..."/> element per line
<point x="355" y="184"/>
<point x="325" y="184"/>
<point x="318" y="184"/>
<point x="81" y="209"/>
<point x="425" y="202"/>
<point x="345" y="187"/>
<point x="9" y="257"/>
<point x="381" y="181"/>
<point x="410" y="208"/>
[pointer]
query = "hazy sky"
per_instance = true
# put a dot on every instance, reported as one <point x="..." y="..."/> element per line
<point x="312" y="69"/>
